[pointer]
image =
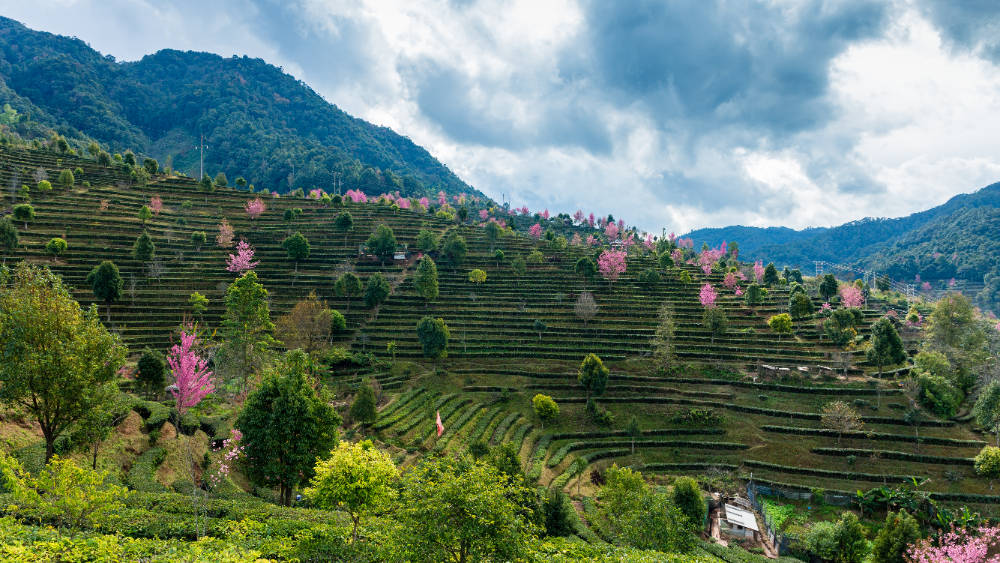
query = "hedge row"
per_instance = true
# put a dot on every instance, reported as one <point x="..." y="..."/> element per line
<point x="848" y="475"/>
<point x="501" y="430"/>
<point x="142" y="475"/>
<point x="694" y="466"/>
<point x="874" y="436"/>
<point x="561" y="453"/>
<point x="899" y="456"/>
<point x="402" y="413"/>
<point x="851" y="391"/>
<point x="652" y="432"/>
<point x="576" y="469"/>
<point x="946" y="497"/>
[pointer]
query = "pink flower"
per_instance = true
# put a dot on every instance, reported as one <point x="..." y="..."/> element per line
<point x="611" y="231"/>
<point x="255" y="208"/>
<point x="536" y="230"/>
<point x="576" y="240"/>
<point x="578" y="216"/>
<point x="730" y="280"/>
<point x="483" y="214"/>
<point x="591" y="241"/>
<point x="192" y="379"/>
<point x="952" y="282"/>
<point x="825" y="307"/>
<point x="403" y="202"/>
<point x="707" y="296"/>
<point x="242" y="260"/>
<point x="316" y="193"/>
<point x="156" y="204"/>
<point x="649" y="241"/>
<point x="611" y="264"/>
<point x="758" y="270"/>
<point x="851" y="296"/>
<point x="442" y="198"/>
<point x="958" y="546"/>
<point x="739" y="292"/>
<point x="545" y="214"/>
<point x="590" y="220"/>
<point x="926" y="286"/>
<point x="677" y="256"/>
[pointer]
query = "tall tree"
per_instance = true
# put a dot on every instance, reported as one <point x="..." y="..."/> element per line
<point x="454" y="249"/>
<point x="377" y="289"/>
<point x="382" y="243"/>
<point x="150" y="370"/>
<point x="297" y="248"/>
<point x="348" y="285"/>
<point x="663" y="340"/>
<point x="246" y="328"/>
<point x="828" y="287"/>
<point x="426" y="279"/>
<point x="306" y="326"/>
<point x="886" y="345"/>
<point x="344" y="222"/>
<point x="592" y="375"/>
<point x="987" y="409"/>
<point x="24" y="213"/>
<point x="285" y="427"/>
<point x="106" y="283"/>
<point x="433" y="335"/>
<point x="363" y="409"/>
<point x="144" y="250"/>
<point x="894" y="539"/>
<point x="8" y="235"/>
<point x="56" y="361"/>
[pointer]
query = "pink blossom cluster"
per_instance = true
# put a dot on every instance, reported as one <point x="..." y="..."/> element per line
<point x="739" y="291"/>
<point x="709" y="257"/>
<point x="686" y="242"/>
<point x="242" y="260"/>
<point x="424" y="202"/>
<point x="255" y="208"/>
<point x="403" y="203"/>
<point x="851" y="297"/>
<point x="611" y="231"/>
<point x="590" y="220"/>
<point x="672" y="237"/>
<point x="524" y="210"/>
<point x="958" y="546"/>
<point x="578" y="217"/>
<point x="825" y="307"/>
<point x="576" y="240"/>
<point x="707" y="296"/>
<point x="677" y="256"/>
<point x="592" y="241"/>
<point x="483" y="214"/>
<point x="611" y="264"/>
<point x="730" y="280"/>
<point x="232" y="450"/>
<point x="156" y="204"/>
<point x="442" y="198"/>
<point x="758" y="270"/>
<point x="926" y="286"/>
<point x="952" y="282"/>
<point x="535" y="230"/>
<point x="356" y="196"/>
<point x="192" y="378"/>
<point x="648" y="243"/>
<point x="316" y="193"/>
<point x="545" y="214"/>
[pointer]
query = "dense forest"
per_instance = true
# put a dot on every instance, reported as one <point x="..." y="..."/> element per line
<point x="954" y="241"/>
<point x="258" y="122"/>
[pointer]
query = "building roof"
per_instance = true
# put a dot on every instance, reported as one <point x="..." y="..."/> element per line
<point x="741" y="517"/>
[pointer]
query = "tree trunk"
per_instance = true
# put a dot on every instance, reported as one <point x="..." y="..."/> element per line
<point x="97" y="444"/>
<point x="50" y="441"/>
<point x="354" y="531"/>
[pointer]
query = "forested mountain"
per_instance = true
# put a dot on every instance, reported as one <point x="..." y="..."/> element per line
<point x="258" y="121"/>
<point x="955" y="240"/>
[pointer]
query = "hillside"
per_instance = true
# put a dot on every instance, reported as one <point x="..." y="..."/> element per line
<point x="936" y="245"/>
<point x="258" y="122"/>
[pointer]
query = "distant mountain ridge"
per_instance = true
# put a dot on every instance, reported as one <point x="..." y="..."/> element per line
<point x="959" y="239"/>
<point x="258" y="121"/>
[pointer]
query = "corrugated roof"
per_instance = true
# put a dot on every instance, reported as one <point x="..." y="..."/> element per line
<point x="742" y="517"/>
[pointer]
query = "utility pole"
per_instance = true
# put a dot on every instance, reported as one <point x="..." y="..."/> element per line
<point x="201" y="157"/>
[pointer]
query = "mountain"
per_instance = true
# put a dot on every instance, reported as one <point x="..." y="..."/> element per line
<point x="954" y="240"/>
<point x="258" y="122"/>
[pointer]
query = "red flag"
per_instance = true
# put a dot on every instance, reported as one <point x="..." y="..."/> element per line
<point x="439" y="425"/>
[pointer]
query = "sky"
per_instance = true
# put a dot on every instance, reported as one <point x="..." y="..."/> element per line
<point x="672" y="115"/>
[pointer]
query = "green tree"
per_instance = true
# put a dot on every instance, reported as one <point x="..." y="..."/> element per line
<point x="221" y="180"/>
<point x="198" y="304"/>
<point x="895" y="537"/>
<point x="426" y="279"/>
<point x="493" y="232"/>
<point x="344" y="222"/>
<point x="129" y="158"/>
<point x="145" y="214"/>
<point x="556" y="513"/>
<point x="151" y="370"/>
<point x="57" y="362"/>
<point x="377" y="289"/>
<point x="44" y="186"/>
<point x="363" y="408"/>
<point x="539" y="327"/>
<point x="104" y="158"/>
<point x="477" y="276"/>
<point x="198" y="239"/>
<point x="638" y="517"/>
<point x="840" y="327"/>
<point x="462" y="510"/>
<point x="633" y="430"/>
<point x="426" y="241"/>
<point x="715" y="321"/>
<point x="433" y="335"/>
<point x="498" y="255"/>
<point x="348" y="285"/>
<point x="144" y="250"/>
<point x="518" y="267"/>
<point x="886" y="345"/>
<point x="66" y="178"/>
<point x="454" y="249"/>
<point x="586" y="268"/>
<point x="56" y="247"/>
<point x="246" y="328"/>
<point x="357" y="478"/>
<point x="649" y="277"/>
<point x="780" y="324"/>
<point x="770" y="275"/>
<point x="297" y="248"/>
<point x="338" y="324"/>
<point x="828" y="287"/>
<point x="987" y="409"/>
<point x="663" y="339"/>
<point x="285" y="427"/>
<point x="592" y="375"/>
<point x="987" y="463"/>
<point x="24" y="213"/>
<point x="100" y="420"/>
<point x="545" y="408"/>
<point x="686" y="495"/>
<point x="106" y="283"/>
<point x="382" y="243"/>
<point x="753" y="296"/>
<point x="151" y="166"/>
<point x="954" y="330"/>
<point x="8" y="235"/>
<point x="800" y="306"/>
<point x="206" y="186"/>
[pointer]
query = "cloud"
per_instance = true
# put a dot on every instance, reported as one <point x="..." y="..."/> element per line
<point x="669" y="114"/>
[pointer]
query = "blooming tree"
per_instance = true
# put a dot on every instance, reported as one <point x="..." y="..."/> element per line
<point x="959" y="546"/>
<point x="611" y="231"/>
<point x="611" y="264"/>
<point x="730" y="280"/>
<point x="316" y="193"/>
<point x="926" y="286"/>
<point x="677" y="256"/>
<point x="156" y="204"/>
<point x="483" y="214"/>
<point x="524" y="210"/>
<point x="225" y="238"/>
<point x="232" y="450"/>
<point x="403" y="203"/>
<point x="707" y="296"/>
<point x="192" y="378"/>
<point x="424" y="202"/>
<point x="590" y="220"/>
<point x="851" y="296"/>
<point x="242" y="260"/>
<point x="758" y="270"/>
<point x="709" y="257"/>
<point x="545" y="214"/>
<point x="738" y="292"/>
<point x="578" y="216"/>
<point x="825" y="307"/>
<point x="591" y="241"/>
<point x="576" y="240"/>
<point x="442" y="198"/>
<point x="536" y="230"/>
<point x="255" y="208"/>
<point x="952" y="282"/>
<point x="649" y="241"/>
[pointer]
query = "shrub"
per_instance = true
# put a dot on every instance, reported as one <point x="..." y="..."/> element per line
<point x="686" y="496"/>
<point x="56" y="246"/>
<point x="477" y="276"/>
<point x="546" y="408"/>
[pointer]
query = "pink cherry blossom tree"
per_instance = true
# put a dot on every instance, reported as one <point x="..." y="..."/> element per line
<point x="535" y="230"/>
<point x="155" y="204"/>
<point x="483" y="214"/>
<point x="738" y="292"/>
<point x="926" y="286"/>
<point x="242" y="260"/>
<point x="545" y="214"/>
<point x="232" y="450"/>
<point x="851" y="297"/>
<point x="958" y="546"/>
<point x="677" y="256"/>
<point x="192" y="378"/>
<point x="403" y="203"/>
<point x="591" y="241"/>
<point x="758" y="270"/>
<point x="578" y="216"/>
<point x="707" y="296"/>
<point x="730" y="280"/>
<point x="225" y="237"/>
<point x="648" y="243"/>
<point x="576" y="240"/>
<point x="255" y="208"/>
<point x="590" y="220"/>
<point x="442" y="198"/>
<point x="611" y="264"/>
<point x="611" y="231"/>
<point x="425" y="203"/>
